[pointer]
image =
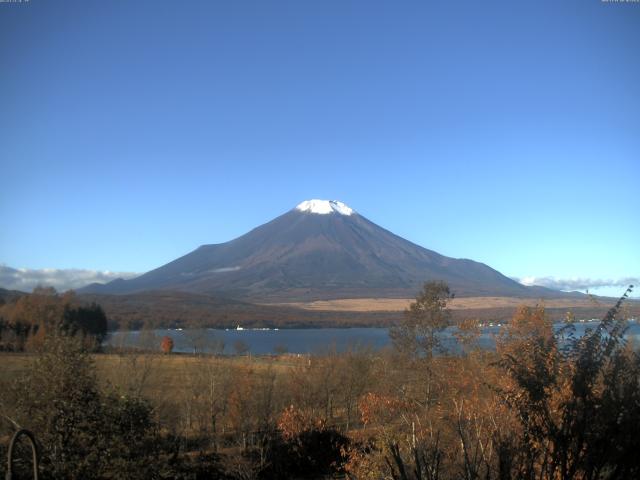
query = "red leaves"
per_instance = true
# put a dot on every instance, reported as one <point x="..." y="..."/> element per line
<point x="167" y="344"/>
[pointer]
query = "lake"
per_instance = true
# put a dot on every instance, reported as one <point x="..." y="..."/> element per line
<point x="295" y="340"/>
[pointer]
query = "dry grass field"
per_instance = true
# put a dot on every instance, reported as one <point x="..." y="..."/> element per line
<point x="153" y="375"/>
<point x="463" y="303"/>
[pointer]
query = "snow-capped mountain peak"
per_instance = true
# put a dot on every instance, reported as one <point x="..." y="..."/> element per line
<point x="323" y="207"/>
<point x="319" y="250"/>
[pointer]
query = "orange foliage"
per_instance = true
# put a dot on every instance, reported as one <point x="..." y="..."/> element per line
<point x="293" y="421"/>
<point x="375" y="408"/>
<point x="167" y="344"/>
<point x="528" y="324"/>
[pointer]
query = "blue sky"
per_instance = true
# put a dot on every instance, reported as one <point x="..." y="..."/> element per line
<point x="505" y="132"/>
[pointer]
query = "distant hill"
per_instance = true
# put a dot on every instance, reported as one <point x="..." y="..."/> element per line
<point x="8" y="296"/>
<point x="319" y="250"/>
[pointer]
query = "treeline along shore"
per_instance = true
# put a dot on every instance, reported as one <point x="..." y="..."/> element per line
<point x="159" y="309"/>
<point x="184" y="310"/>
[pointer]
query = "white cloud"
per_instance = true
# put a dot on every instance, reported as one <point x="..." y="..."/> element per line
<point x="575" y="283"/>
<point x="26" y="279"/>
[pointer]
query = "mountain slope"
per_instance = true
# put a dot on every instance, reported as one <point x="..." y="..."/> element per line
<point x="319" y="250"/>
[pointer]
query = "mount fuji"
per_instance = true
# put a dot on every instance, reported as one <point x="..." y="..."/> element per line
<point x="320" y="249"/>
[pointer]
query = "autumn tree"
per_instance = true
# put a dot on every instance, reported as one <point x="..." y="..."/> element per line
<point x="33" y="317"/>
<point x="319" y="383"/>
<point x="355" y="377"/>
<point x="576" y="399"/>
<point x="242" y="403"/>
<point x="167" y="344"/>
<point x="467" y="334"/>
<point x="306" y="447"/>
<point x="219" y="380"/>
<point x="417" y="333"/>
<point x="403" y="449"/>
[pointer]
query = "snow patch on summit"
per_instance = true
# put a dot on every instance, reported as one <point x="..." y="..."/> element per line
<point x="323" y="207"/>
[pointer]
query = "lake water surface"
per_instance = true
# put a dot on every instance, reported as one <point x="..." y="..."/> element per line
<point x="295" y="340"/>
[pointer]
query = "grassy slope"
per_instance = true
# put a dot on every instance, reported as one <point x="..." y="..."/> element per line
<point x="461" y="303"/>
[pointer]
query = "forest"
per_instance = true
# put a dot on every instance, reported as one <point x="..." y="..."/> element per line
<point x="544" y="405"/>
